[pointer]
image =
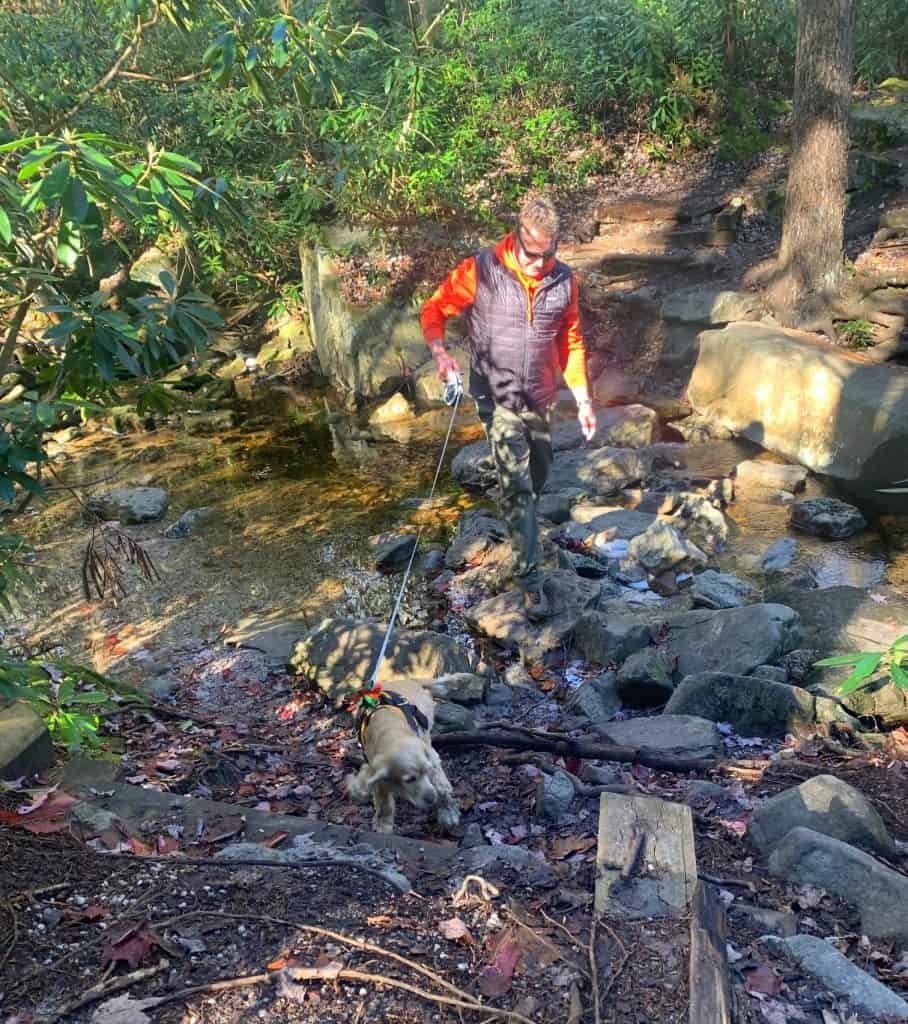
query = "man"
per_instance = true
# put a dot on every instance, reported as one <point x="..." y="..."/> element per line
<point x="524" y="325"/>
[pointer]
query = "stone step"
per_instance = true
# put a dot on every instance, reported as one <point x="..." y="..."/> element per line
<point x="147" y="812"/>
<point x="660" y="868"/>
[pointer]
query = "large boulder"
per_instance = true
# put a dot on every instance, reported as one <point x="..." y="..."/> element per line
<point x="598" y="526"/>
<point x="474" y="467"/>
<point x="752" y="705"/>
<point x="681" y="736"/>
<point x="131" y="504"/>
<point x="477" y="533"/>
<point x="600" y="470"/>
<point x="825" y="804"/>
<point x="824" y="407"/>
<point x="620" y="426"/>
<point x="25" y="743"/>
<point x="713" y="589"/>
<point x="879" y="893"/>
<point x="827" y="517"/>
<point x="731" y="640"/>
<point x="647" y="678"/>
<point x="362" y="350"/>
<point x="338" y="656"/>
<point x="688" y="310"/>
<point x="660" y="548"/>
<point x="604" y="638"/>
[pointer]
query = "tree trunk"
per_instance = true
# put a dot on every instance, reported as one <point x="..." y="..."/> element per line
<point x="811" y="257"/>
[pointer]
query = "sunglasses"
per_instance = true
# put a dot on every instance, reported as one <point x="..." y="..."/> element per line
<point x="533" y="256"/>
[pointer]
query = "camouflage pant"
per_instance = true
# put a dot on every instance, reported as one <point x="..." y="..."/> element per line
<point x="522" y="449"/>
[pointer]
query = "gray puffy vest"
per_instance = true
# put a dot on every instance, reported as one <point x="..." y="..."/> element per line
<point x="513" y="361"/>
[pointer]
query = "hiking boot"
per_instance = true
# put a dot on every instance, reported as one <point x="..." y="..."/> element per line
<point x="535" y="604"/>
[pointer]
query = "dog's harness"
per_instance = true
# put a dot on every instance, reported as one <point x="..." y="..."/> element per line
<point x="365" y="703"/>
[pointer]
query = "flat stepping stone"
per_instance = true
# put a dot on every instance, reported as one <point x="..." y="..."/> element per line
<point x="275" y="637"/>
<point x="662" y="881"/>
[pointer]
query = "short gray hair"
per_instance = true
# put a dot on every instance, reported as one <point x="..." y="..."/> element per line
<point x="539" y="213"/>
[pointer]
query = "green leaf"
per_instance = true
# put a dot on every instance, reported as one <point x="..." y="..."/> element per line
<point x="863" y="670"/>
<point x="6" y="231"/>
<point x="839" y="659"/>
<point x="75" y="201"/>
<point x="252" y="58"/>
<point x="899" y="677"/>
<point x="89" y="697"/>
<point x="65" y="692"/>
<point x="63" y="329"/>
<point x="901" y="643"/>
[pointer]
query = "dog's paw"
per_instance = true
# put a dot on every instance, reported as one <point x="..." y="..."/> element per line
<point x="448" y="816"/>
<point x="383" y="825"/>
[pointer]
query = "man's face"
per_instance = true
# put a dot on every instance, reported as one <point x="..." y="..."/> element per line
<point x="534" y="250"/>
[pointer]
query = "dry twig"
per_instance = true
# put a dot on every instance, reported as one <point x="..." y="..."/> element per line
<point x="104" y="988"/>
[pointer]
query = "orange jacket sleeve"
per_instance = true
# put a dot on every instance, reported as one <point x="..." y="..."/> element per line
<point x="572" y="348"/>
<point x="455" y="294"/>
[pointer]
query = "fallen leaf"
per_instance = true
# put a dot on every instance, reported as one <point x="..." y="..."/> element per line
<point x="328" y="967"/>
<point x="495" y="978"/>
<point x="455" y="930"/>
<point x="139" y="848"/>
<point x="122" y="1010"/>
<point x="130" y="943"/>
<point x="282" y="962"/>
<point x="48" y="816"/>
<point x="762" y="981"/>
<point x="564" y="847"/>
<point x="166" y="845"/>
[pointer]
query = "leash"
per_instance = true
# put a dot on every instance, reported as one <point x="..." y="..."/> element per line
<point x="452" y="396"/>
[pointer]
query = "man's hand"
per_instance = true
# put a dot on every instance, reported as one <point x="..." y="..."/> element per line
<point x="586" y="416"/>
<point x="446" y="364"/>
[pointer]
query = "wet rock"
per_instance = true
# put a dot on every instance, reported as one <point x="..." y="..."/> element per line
<point x="209" y="422"/>
<point x="606" y="638"/>
<point x="396" y="408"/>
<point x="583" y="565"/>
<point x="839" y="975"/>
<point x="474" y="467"/>
<point x="661" y="548"/>
<point x="713" y="589"/>
<point x="597" y="699"/>
<point x="806" y="857"/>
<point x="556" y="796"/>
<point x="774" y="476"/>
<point x="824" y="804"/>
<point x="797" y="665"/>
<point x="753" y="706"/>
<point x="681" y="736"/>
<point x="703" y="524"/>
<point x="477" y="533"/>
<point x="555" y="507"/>
<point x="391" y="551"/>
<point x="779" y="556"/>
<point x="646" y="679"/>
<point x="607" y="530"/>
<point x="842" y="619"/>
<point x="339" y="654"/>
<point x="696" y="429"/>
<point x="188" y="522"/>
<point x="600" y="471"/>
<point x="503" y="618"/>
<point x="827" y="517"/>
<point x="131" y="504"/>
<point x="452" y="718"/>
<point x="622" y="426"/>
<point x="731" y="640"/>
<point x="774" y="673"/>
<point x="499" y="694"/>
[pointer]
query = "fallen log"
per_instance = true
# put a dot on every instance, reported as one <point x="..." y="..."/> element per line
<point x="710" y="981"/>
<point x="567" y="746"/>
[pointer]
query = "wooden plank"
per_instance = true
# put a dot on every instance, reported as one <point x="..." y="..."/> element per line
<point x="710" y="981"/>
<point x="652" y="878"/>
